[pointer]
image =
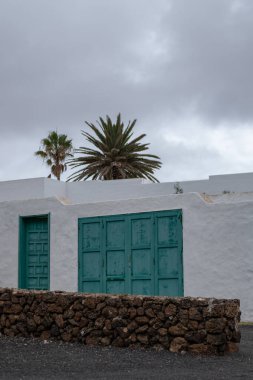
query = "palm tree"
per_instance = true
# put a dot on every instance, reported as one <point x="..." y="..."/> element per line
<point x="55" y="150"/>
<point x="115" y="155"/>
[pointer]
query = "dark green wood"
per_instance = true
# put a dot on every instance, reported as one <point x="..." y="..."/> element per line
<point x="114" y="254"/>
<point x="21" y="254"/>
<point x="34" y="252"/>
<point x="132" y="253"/>
<point x="142" y="254"/>
<point x="90" y="260"/>
<point x="169" y="264"/>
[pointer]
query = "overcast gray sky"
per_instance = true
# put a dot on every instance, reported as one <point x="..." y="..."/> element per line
<point x="183" y="68"/>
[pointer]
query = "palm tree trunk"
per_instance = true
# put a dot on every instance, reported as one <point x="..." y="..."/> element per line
<point x="58" y="173"/>
<point x="114" y="172"/>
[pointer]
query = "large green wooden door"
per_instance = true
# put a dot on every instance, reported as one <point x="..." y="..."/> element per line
<point x="135" y="253"/>
<point x="34" y="253"/>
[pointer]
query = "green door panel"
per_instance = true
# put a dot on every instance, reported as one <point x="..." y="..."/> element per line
<point x="142" y="286"/>
<point x="142" y="254"/>
<point x="115" y="254"/>
<point x="168" y="242"/>
<point x="169" y="287"/>
<point x="115" y="286"/>
<point x="134" y="253"/>
<point x="34" y="253"/>
<point x="90" y="260"/>
<point x="115" y="233"/>
<point x="141" y="229"/>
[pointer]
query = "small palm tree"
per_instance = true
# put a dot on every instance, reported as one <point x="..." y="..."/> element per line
<point x="115" y="154"/>
<point x="55" y="150"/>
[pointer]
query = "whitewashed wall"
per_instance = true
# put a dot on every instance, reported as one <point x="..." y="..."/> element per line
<point x="100" y="191"/>
<point x="217" y="242"/>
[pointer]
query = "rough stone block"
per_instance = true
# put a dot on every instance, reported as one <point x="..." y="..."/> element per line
<point x="197" y="325"/>
<point x="178" y="344"/>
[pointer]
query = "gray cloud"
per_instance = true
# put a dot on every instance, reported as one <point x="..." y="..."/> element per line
<point x="167" y="63"/>
<point x="213" y="59"/>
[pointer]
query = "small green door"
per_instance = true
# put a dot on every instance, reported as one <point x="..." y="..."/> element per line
<point x="34" y="253"/>
<point x="135" y="253"/>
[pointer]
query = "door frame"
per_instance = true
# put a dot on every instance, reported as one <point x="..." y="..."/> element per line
<point x="178" y="212"/>
<point x="22" y="251"/>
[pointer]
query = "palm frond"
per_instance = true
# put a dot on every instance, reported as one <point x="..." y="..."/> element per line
<point x="115" y="154"/>
<point x="56" y="148"/>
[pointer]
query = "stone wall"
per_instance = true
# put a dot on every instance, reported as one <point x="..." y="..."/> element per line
<point x="197" y="325"/>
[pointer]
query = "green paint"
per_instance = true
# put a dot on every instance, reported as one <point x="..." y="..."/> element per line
<point x="34" y="252"/>
<point x="132" y="253"/>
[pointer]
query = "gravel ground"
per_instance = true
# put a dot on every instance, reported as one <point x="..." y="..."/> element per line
<point x="33" y="359"/>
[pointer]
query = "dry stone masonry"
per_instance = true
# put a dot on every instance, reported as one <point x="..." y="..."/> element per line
<point x="196" y="325"/>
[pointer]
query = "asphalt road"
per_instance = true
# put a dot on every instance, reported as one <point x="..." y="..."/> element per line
<point x="33" y="359"/>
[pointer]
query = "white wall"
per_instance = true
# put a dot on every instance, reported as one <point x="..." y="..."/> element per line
<point x="101" y="191"/>
<point x="217" y="242"/>
<point x="22" y="189"/>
